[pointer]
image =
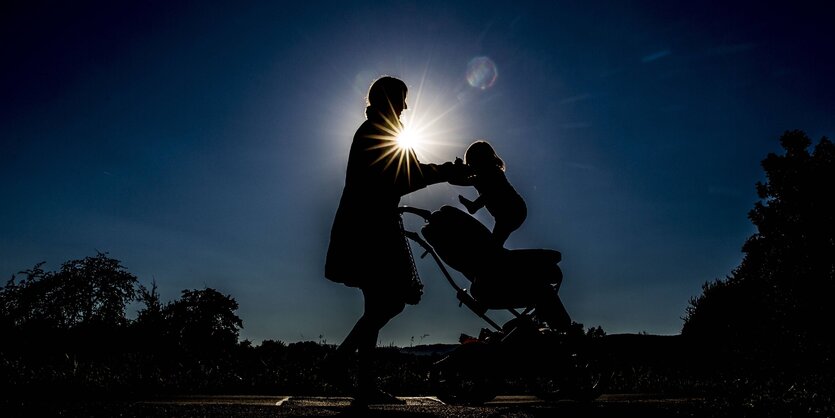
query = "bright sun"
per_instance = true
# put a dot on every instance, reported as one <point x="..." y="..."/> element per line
<point x="408" y="138"/>
<point x="421" y="132"/>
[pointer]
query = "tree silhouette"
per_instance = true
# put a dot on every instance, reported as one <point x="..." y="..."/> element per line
<point x="151" y="315"/>
<point x="90" y="292"/>
<point x="67" y="331"/>
<point x="778" y="300"/>
<point x="22" y="302"/>
<point x="95" y="290"/>
<point x="203" y="320"/>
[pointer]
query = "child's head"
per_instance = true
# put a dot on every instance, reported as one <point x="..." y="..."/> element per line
<point x="480" y="154"/>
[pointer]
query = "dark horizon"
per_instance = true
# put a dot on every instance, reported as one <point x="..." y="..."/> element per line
<point x="204" y="145"/>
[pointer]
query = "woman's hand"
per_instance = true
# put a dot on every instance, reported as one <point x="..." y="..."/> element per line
<point x="458" y="173"/>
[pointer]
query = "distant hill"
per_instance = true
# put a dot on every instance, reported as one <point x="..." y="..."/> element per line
<point x="429" y="349"/>
<point x="623" y="347"/>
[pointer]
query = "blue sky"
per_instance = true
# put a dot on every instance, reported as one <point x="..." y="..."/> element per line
<point x="204" y="144"/>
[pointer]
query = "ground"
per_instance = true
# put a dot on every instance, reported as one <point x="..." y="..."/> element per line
<point x="607" y="406"/>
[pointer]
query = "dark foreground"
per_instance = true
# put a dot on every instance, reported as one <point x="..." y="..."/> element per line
<point x="277" y="406"/>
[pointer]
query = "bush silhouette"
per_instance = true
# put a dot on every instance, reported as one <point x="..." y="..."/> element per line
<point x="67" y="331"/>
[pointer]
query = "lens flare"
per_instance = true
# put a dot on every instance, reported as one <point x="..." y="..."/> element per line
<point x="482" y="73"/>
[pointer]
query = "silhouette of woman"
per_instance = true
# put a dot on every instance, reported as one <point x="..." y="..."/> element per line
<point x="367" y="246"/>
<point x="494" y="191"/>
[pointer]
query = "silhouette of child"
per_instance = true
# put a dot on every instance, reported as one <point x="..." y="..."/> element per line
<point x="495" y="192"/>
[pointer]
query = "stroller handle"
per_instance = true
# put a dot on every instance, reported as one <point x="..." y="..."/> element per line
<point x="423" y="213"/>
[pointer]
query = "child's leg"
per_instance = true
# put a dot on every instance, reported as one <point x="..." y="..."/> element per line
<point x="501" y="231"/>
<point x="550" y="309"/>
<point x="506" y="225"/>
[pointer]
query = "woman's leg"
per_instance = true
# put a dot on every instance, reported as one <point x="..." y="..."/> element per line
<point x="380" y="307"/>
<point x="378" y="311"/>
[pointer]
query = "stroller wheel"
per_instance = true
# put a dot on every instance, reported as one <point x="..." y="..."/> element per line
<point x="457" y="388"/>
<point x="583" y="379"/>
<point x="462" y="378"/>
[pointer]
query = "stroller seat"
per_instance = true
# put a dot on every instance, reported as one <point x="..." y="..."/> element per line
<point x="517" y="278"/>
<point x="501" y="278"/>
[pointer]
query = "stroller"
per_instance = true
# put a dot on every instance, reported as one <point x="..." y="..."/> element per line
<point x="539" y="350"/>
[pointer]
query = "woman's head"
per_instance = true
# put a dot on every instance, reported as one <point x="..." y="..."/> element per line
<point x="387" y="96"/>
<point x="480" y="154"/>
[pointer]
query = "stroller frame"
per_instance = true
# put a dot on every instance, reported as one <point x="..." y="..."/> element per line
<point x="462" y="294"/>
<point x="554" y="364"/>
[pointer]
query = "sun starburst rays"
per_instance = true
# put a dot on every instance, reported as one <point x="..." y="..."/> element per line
<point x="393" y="151"/>
<point x="422" y="134"/>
